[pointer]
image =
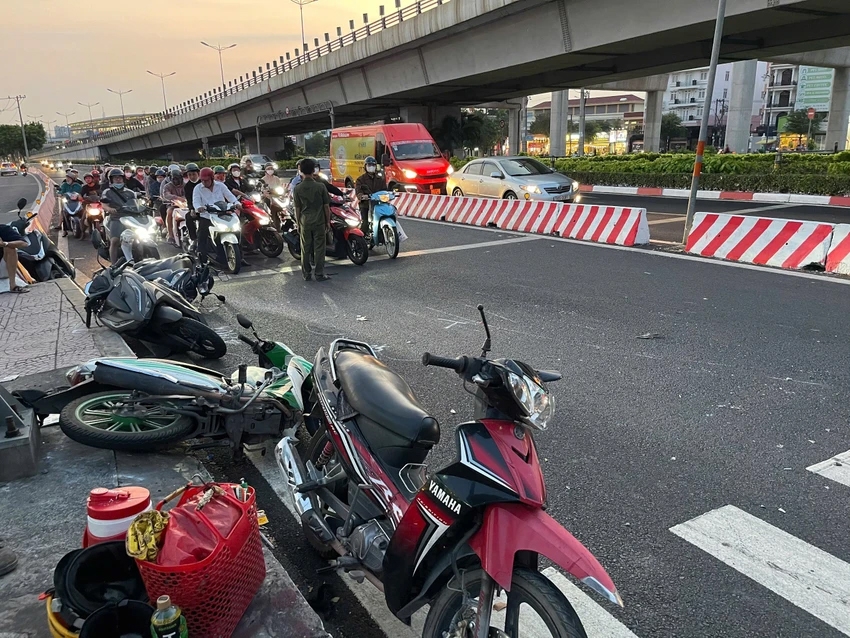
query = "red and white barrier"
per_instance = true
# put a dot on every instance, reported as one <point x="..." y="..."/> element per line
<point x="603" y="224"/>
<point x="760" y="240"/>
<point x="838" y="257"/>
<point x="747" y="196"/>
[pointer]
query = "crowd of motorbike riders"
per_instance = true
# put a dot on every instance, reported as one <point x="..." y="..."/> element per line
<point x="165" y="190"/>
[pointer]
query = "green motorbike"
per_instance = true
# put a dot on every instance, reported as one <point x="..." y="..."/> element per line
<point x="144" y="404"/>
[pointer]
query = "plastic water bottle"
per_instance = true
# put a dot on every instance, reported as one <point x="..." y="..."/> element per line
<point x="168" y="621"/>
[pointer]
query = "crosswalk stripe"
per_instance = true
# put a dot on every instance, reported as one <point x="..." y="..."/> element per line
<point x="837" y="468"/>
<point x="801" y="573"/>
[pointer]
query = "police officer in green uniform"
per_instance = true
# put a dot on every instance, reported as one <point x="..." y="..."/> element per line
<point x="313" y="216"/>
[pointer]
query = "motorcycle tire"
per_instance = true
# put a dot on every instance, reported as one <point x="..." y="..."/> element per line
<point x="87" y="419"/>
<point x="391" y="240"/>
<point x="294" y="252"/>
<point x="271" y="243"/>
<point x="233" y="258"/>
<point x="194" y="336"/>
<point x="357" y="250"/>
<point x="528" y="587"/>
<point x="340" y="489"/>
<point x="78" y="231"/>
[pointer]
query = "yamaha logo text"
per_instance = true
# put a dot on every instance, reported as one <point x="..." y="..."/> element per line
<point x="441" y="495"/>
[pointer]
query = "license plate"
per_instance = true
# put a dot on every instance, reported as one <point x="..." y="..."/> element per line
<point x="436" y="191"/>
<point x="563" y="198"/>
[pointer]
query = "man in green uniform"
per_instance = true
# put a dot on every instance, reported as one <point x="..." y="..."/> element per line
<point x="313" y="216"/>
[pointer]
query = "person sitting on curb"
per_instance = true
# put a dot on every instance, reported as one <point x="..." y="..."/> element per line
<point x="10" y="241"/>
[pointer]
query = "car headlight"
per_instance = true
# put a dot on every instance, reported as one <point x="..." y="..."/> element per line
<point x="535" y="402"/>
<point x="530" y="188"/>
<point x="352" y="222"/>
<point x="450" y="170"/>
<point x="278" y="190"/>
<point x="256" y="197"/>
<point x="409" y="174"/>
<point x="576" y="185"/>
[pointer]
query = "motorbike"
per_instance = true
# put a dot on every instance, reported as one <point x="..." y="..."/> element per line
<point x="276" y="200"/>
<point x="451" y="538"/>
<point x="386" y="231"/>
<point x="257" y="231"/>
<point x="25" y="171"/>
<point x="137" y="238"/>
<point x="94" y="215"/>
<point x="179" y="213"/>
<point x="139" y="405"/>
<point x="124" y="301"/>
<point x="41" y="258"/>
<point x="225" y="236"/>
<point x="72" y="207"/>
<point x="344" y="236"/>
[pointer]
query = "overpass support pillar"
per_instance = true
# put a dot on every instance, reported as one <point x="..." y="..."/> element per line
<point x="431" y="116"/>
<point x="652" y="121"/>
<point x="514" y="131"/>
<point x="839" y="110"/>
<point x="740" y="117"/>
<point x="558" y="123"/>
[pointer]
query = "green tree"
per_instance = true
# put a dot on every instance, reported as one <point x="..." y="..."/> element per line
<point x="12" y="143"/>
<point x="541" y="123"/>
<point x="472" y="130"/>
<point x="797" y="122"/>
<point x="317" y="145"/>
<point x="449" y="134"/>
<point x="671" y="127"/>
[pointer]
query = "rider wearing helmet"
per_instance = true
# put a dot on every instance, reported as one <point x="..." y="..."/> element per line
<point x="369" y="183"/>
<point x="171" y="190"/>
<point x="207" y="193"/>
<point x="113" y="198"/>
<point x="193" y="176"/>
<point x="91" y="189"/>
<point x="298" y="177"/>
<point x="220" y="173"/>
<point x="130" y="180"/>
<point x="69" y="186"/>
<point x="237" y="184"/>
<point x="270" y="179"/>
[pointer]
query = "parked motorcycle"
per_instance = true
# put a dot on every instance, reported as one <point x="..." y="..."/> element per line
<point x="225" y="237"/>
<point x="137" y="238"/>
<point x="257" y="231"/>
<point x="41" y="258"/>
<point x="72" y="207"/>
<point x="344" y="236"/>
<point x="386" y="230"/>
<point x="448" y="539"/>
<point x="124" y="301"/>
<point x="142" y="404"/>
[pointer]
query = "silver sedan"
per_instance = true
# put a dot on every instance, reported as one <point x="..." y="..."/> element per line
<point x="512" y="178"/>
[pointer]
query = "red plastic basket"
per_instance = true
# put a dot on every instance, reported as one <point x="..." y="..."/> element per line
<point x="215" y="592"/>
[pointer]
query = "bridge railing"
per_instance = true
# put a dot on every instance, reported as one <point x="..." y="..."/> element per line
<point x="277" y="67"/>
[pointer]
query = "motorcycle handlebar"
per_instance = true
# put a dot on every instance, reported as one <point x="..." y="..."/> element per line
<point x="248" y="341"/>
<point x="458" y="365"/>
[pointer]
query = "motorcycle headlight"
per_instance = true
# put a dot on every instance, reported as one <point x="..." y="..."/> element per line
<point x="278" y="190"/>
<point x="530" y="188"/>
<point x="256" y="197"/>
<point x="535" y="402"/>
<point x="409" y="174"/>
<point x="264" y="220"/>
<point x="252" y="182"/>
<point x="384" y="198"/>
<point x="143" y="233"/>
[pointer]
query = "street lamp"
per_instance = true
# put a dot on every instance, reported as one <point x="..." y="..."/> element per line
<point x="91" y="119"/>
<point x="47" y="124"/>
<point x="219" y="48"/>
<point x="301" y="4"/>
<point x="121" y="95"/>
<point x="162" y="77"/>
<point x="67" y="122"/>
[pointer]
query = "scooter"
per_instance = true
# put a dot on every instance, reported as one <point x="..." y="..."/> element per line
<point x="124" y="301"/>
<point x="137" y="238"/>
<point x="179" y="213"/>
<point x="344" y="237"/>
<point x="225" y="236"/>
<point x="72" y="207"/>
<point x="257" y="231"/>
<point x="139" y="405"/>
<point x="451" y="538"/>
<point x="41" y="258"/>
<point x="277" y="202"/>
<point x="386" y="231"/>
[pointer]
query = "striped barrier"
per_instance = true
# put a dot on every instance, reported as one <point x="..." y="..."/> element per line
<point x="746" y="196"/>
<point x="760" y="240"/>
<point x="838" y="257"/>
<point x="602" y="224"/>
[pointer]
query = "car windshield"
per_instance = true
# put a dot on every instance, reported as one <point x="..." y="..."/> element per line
<point x="525" y="166"/>
<point x="415" y="150"/>
<point x="7" y="164"/>
<point x="259" y="159"/>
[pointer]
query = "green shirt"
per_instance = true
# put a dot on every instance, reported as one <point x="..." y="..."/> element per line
<point x="310" y="198"/>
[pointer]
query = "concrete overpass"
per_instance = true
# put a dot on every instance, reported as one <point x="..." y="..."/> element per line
<point x="468" y="52"/>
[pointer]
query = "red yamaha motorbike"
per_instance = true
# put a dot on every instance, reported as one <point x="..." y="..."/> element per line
<point x="258" y="233"/>
<point x="345" y="239"/>
<point x="453" y="538"/>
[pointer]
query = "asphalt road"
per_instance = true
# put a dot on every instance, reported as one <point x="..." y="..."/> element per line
<point x="667" y="214"/>
<point x="688" y="386"/>
<point x="11" y="190"/>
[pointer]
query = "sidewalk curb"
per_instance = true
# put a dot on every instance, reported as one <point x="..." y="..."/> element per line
<point x="110" y="343"/>
<point x="746" y="196"/>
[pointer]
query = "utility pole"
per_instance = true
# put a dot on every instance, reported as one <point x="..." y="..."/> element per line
<point x="162" y="77"/>
<point x="218" y="48"/>
<point x="47" y="124"/>
<point x="18" y="99"/>
<point x="703" y="125"/>
<point x="301" y="4"/>
<point x="91" y="119"/>
<point x="581" y="121"/>
<point x="121" y="95"/>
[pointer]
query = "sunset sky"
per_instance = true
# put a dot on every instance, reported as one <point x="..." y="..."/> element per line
<point x="62" y="54"/>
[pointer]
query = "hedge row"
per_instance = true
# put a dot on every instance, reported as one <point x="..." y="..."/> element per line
<point x="806" y="184"/>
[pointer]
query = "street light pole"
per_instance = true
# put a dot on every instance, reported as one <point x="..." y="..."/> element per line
<point x="301" y="4"/>
<point x="219" y="48"/>
<point x="18" y="99"/>
<point x="162" y="77"/>
<point x="706" y="110"/>
<point x="91" y="119"/>
<point x="121" y="95"/>
<point x="67" y="122"/>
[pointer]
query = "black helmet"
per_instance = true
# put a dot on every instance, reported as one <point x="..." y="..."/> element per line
<point x="192" y="167"/>
<point x="115" y="172"/>
<point x="370" y="161"/>
<point x="127" y="167"/>
<point x="159" y="173"/>
<point x="153" y="168"/>
<point x="177" y="175"/>
<point x="269" y="165"/>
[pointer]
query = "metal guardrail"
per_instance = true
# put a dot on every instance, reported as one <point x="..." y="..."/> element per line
<point x="276" y="67"/>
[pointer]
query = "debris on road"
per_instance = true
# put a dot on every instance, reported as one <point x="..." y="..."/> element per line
<point x="649" y="335"/>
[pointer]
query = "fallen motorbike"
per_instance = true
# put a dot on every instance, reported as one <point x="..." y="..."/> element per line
<point x="386" y="230"/>
<point x="142" y="404"/>
<point x="41" y="258"/>
<point x="345" y="239"/>
<point x="72" y="207"/>
<point x="257" y="231"/>
<point x="225" y="237"/>
<point x="124" y="301"/>
<point x="448" y="539"/>
<point x="137" y="238"/>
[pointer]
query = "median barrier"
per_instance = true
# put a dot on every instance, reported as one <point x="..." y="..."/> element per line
<point x="45" y="204"/>
<point x="838" y="256"/>
<point x="602" y="224"/>
<point x="746" y="196"/>
<point x="766" y="241"/>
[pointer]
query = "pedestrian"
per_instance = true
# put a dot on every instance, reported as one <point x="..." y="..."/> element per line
<point x="10" y="241"/>
<point x="313" y="216"/>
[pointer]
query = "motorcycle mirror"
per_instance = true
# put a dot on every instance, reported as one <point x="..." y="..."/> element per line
<point x="21" y="203"/>
<point x="244" y="321"/>
<point x="486" y="347"/>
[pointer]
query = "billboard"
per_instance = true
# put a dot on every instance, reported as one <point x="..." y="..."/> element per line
<point x="814" y="88"/>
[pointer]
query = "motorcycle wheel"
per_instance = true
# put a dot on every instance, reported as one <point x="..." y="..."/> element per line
<point x="357" y="250"/>
<point x="78" y="231"/>
<point x="95" y="420"/>
<point x="295" y="252"/>
<point x="529" y="589"/>
<point x="271" y="243"/>
<point x="198" y="338"/>
<point x="233" y="257"/>
<point x="391" y="241"/>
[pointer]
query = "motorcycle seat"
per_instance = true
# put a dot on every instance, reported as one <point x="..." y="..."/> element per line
<point x="393" y="414"/>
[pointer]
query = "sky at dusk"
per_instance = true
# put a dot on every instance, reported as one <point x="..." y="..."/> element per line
<point x="62" y="54"/>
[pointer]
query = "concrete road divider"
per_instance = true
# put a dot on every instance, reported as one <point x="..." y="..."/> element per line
<point x="760" y="240"/>
<point x="838" y="257"/>
<point x="603" y="224"/>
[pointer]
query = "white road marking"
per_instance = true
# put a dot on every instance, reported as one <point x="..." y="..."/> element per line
<point x="675" y="220"/>
<point x="759" y="209"/>
<point x="802" y="574"/>
<point x="837" y="468"/>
